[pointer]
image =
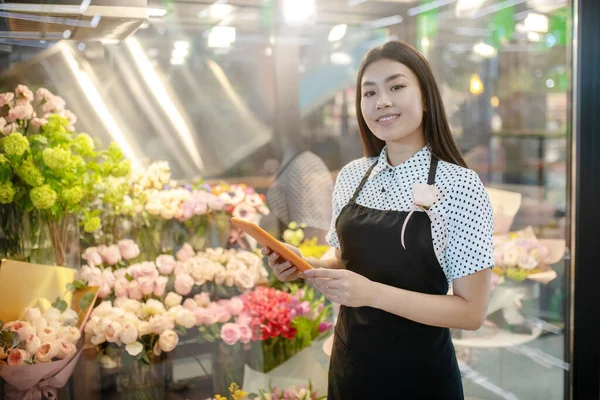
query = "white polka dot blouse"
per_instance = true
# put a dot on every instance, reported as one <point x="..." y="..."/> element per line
<point x="466" y="224"/>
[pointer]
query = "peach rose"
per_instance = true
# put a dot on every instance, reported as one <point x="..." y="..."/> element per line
<point x="17" y="357"/>
<point x="173" y="299"/>
<point x="64" y="349"/>
<point x="168" y="340"/>
<point x="46" y="352"/>
<point x="165" y="264"/>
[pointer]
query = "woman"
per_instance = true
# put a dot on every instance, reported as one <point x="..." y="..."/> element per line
<point x="393" y="269"/>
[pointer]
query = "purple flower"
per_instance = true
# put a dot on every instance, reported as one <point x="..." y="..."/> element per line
<point x="325" y="326"/>
<point x="305" y="309"/>
<point x="188" y="187"/>
<point x="167" y="187"/>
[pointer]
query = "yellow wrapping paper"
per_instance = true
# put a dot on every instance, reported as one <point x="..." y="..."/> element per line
<point x="25" y="285"/>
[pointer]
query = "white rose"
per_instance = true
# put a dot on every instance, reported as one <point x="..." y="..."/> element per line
<point x="64" y="349"/>
<point x="424" y="195"/>
<point x="144" y="328"/>
<point x="168" y="340"/>
<point x="129" y="305"/>
<point x="244" y="280"/>
<point x="172" y="300"/>
<point x="103" y="309"/>
<point x="31" y="314"/>
<point x="112" y="331"/>
<point x="70" y="334"/>
<point x="153" y="307"/>
<point x="161" y="323"/>
<point x="129" y="334"/>
<point x="47" y="335"/>
<point x="220" y="277"/>
<point x="69" y="317"/>
<point x="39" y="324"/>
<point x="46" y="352"/>
<point x="184" y="317"/>
<point x="98" y="339"/>
<point x="52" y="314"/>
<point x="32" y="345"/>
<point x="134" y="348"/>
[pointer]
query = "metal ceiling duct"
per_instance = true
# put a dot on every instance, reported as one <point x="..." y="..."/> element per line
<point x="71" y="19"/>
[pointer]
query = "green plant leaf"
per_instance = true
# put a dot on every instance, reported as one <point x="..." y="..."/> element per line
<point x="86" y="301"/>
<point x="60" y="304"/>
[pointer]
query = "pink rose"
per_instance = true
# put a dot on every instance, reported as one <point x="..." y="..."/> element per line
<point x="17" y="357"/>
<point x="230" y="333"/>
<point x="147" y="285"/>
<point x="92" y="256"/>
<point x="134" y="290"/>
<point x="120" y="273"/>
<point x="235" y="306"/>
<point x="200" y="315"/>
<point x="183" y="284"/>
<point x="160" y="286"/>
<point x="210" y="316"/>
<point x="129" y="249"/>
<point x="134" y="270"/>
<point x="109" y="277"/>
<point x="202" y="299"/>
<point x="245" y="333"/>
<point x="148" y="269"/>
<point x="111" y="254"/>
<point x="243" y="319"/>
<point x="104" y="290"/>
<point x="121" y="287"/>
<point x="165" y="264"/>
<point x="190" y="304"/>
<point x="6" y="98"/>
<point x="185" y="253"/>
<point x="223" y="315"/>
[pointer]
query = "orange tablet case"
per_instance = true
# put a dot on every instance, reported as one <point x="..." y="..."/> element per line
<point x="269" y="241"/>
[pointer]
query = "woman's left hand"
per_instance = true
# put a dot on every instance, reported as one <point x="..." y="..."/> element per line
<point x="342" y="286"/>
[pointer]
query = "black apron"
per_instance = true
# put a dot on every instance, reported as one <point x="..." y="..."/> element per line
<point x="377" y="354"/>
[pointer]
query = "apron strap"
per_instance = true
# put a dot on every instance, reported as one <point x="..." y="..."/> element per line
<point x="432" y="170"/>
<point x="362" y="183"/>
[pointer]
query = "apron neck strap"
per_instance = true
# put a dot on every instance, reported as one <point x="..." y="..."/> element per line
<point x="432" y="170"/>
<point x="362" y="183"/>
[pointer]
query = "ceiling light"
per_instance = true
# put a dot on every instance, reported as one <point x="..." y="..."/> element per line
<point x="221" y="36"/>
<point x="177" y="60"/>
<point x="180" y="52"/>
<point x="383" y="22"/>
<point x="109" y="41"/>
<point x="217" y="11"/>
<point x="494" y="101"/>
<point x="484" y="50"/>
<point x="340" y="58"/>
<point x="156" y="12"/>
<point x="66" y="34"/>
<point x="298" y="11"/>
<point x="428" y="7"/>
<point x="337" y="32"/>
<point x="475" y="84"/>
<point x="536" y="23"/>
<point x="181" y="44"/>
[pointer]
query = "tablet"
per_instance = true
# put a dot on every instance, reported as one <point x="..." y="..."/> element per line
<point x="269" y="241"/>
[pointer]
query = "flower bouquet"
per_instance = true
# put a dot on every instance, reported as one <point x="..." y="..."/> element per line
<point x="273" y="393"/>
<point x="40" y="346"/>
<point x="47" y="168"/>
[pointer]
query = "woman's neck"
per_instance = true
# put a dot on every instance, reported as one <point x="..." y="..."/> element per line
<point x="401" y="150"/>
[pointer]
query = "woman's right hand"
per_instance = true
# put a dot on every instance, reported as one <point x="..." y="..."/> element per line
<point x="284" y="270"/>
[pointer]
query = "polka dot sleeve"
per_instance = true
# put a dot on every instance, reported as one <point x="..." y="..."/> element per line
<point x="337" y="203"/>
<point x="470" y="227"/>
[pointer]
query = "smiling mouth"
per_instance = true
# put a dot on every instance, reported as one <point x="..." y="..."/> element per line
<point x="389" y="117"/>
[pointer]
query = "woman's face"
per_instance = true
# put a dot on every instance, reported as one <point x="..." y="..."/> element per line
<point x="392" y="103"/>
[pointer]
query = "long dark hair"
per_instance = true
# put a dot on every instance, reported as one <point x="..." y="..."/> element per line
<point x="435" y="125"/>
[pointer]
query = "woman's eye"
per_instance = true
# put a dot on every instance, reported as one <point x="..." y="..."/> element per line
<point x="397" y="87"/>
<point x="369" y="94"/>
